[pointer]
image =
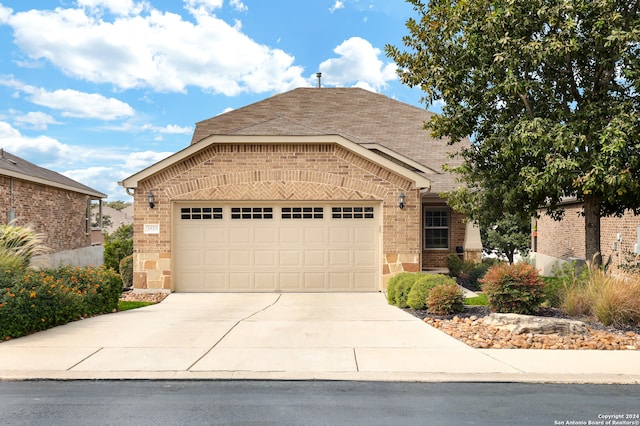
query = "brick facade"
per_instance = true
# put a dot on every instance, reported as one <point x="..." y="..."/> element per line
<point x="58" y="213"/>
<point x="437" y="258"/>
<point x="565" y="239"/>
<point x="276" y="172"/>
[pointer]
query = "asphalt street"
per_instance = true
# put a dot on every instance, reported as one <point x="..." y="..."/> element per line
<point x="127" y="402"/>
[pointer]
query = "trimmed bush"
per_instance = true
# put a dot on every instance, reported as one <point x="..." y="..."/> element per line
<point x="126" y="271"/>
<point x="513" y="288"/>
<point x="445" y="299"/>
<point x="393" y="285"/>
<point x="37" y="300"/>
<point x="403" y="288"/>
<point x="417" y="298"/>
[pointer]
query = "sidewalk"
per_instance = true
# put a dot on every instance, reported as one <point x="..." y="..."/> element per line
<point x="336" y="336"/>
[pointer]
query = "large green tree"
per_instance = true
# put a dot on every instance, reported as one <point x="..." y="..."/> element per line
<point x="547" y="90"/>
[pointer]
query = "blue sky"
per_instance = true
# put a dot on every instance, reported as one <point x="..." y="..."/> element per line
<point x="99" y="89"/>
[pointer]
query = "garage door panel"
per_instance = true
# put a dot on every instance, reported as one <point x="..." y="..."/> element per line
<point x="341" y="235"/>
<point x="315" y="257"/>
<point x="364" y="281"/>
<point x="239" y="281"/>
<point x="290" y="258"/>
<point x="290" y="235"/>
<point x="215" y="281"/>
<point x="265" y="236"/>
<point x="264" y="258"/>
<point x="289" y="281"/>
<point x="362" y="235"/>
<point x="314" y="281"/>
<point x="364" y="258"/>
<point x="339" y="281"/>
<point x="339" y="258"/>
<point x="239" y="258"/>
<point x="213" y="235"/>
<point x="262" y="250"/>
<point x="315" y="235"/>
<point x="240" y="235"/>
<point x="215" y="258"/>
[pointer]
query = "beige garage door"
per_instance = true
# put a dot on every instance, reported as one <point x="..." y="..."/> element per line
<point x="264" y="247"/>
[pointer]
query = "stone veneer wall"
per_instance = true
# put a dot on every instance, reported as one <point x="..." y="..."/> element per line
<point x="303" y="172"/>
<point x="58" y="213"/>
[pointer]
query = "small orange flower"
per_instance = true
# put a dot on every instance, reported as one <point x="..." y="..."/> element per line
<point x="33" y="295"/>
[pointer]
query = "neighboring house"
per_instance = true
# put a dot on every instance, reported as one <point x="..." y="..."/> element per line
<point x="555" y="242"/>
<point x="117" y="218"/>
<point x="54" y="205"/>
<point x="315" y="189"/>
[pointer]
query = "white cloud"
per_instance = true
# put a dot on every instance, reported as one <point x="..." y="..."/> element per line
<point x="337" y="5"/>
<point x="158" y="50"/>
<point x="73" y="103"/>
<point x="35" y="120"/>
<point x="170" y="129"/>
<point x="83" y="105"/>
<point x="137" y="161"/>
<point x="117" y="7"/>
<point x="5" y="13"/>
<point x="358" y="65"/>
<point x="97" y="167"/>
<point x="239" y="5"/>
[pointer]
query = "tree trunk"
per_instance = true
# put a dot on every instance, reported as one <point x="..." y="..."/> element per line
<point x="592" y="229"/>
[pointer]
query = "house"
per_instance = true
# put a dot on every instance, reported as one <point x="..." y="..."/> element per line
<point x="555" y="242"/>
<point x="315" y="189"/>
<point x="53" y="205"/>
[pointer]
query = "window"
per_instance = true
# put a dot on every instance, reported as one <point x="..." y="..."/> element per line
<point x="200" y="213"/>
<point x="252" y="213"/>
<point x="302" y="212"/>
<point x="436" y="228"/>
<point x="352" y="212"/>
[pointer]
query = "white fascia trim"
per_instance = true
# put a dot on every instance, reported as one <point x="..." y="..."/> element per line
<point x="45" y="182"/>
<point x="400" y="157"/>
<point x="132" y="181"/>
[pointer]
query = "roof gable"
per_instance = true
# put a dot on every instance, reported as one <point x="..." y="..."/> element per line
<point x="14" y="166"/>
<point x="358" y="115"/>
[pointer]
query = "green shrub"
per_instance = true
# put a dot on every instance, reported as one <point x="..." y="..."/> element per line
<point x="403" y="288"/>
<point x="117" y="246"/>
<point x="392" y="286"/>
<point x="476" y="273"/>
<point x="417" y="298"/>
<point x="513" y="288"/>
<point x="457" y="266"/>
<point x="126" y="271"/>
<point x="37" y="300"/>
<point x="445" y="299"/>
<point x="554" y="291"/>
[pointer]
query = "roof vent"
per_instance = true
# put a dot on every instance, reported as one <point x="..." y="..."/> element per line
<point x="319" y="75"/>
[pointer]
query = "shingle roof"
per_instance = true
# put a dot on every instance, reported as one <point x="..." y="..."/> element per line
<point x="11" y="165"/>
<point x="358" y="115"/>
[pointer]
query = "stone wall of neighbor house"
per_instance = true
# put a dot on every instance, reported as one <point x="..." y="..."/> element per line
<point x="58" y="213"/>
<point x="436" y="259"/>
<point x="304" y="172"/>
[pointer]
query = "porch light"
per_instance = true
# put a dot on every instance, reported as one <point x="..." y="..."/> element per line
<point x="401" y="198"/>
<point x="152" y="201"/>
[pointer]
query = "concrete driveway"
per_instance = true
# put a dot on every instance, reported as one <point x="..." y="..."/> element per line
<point x="286" y="336"/>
